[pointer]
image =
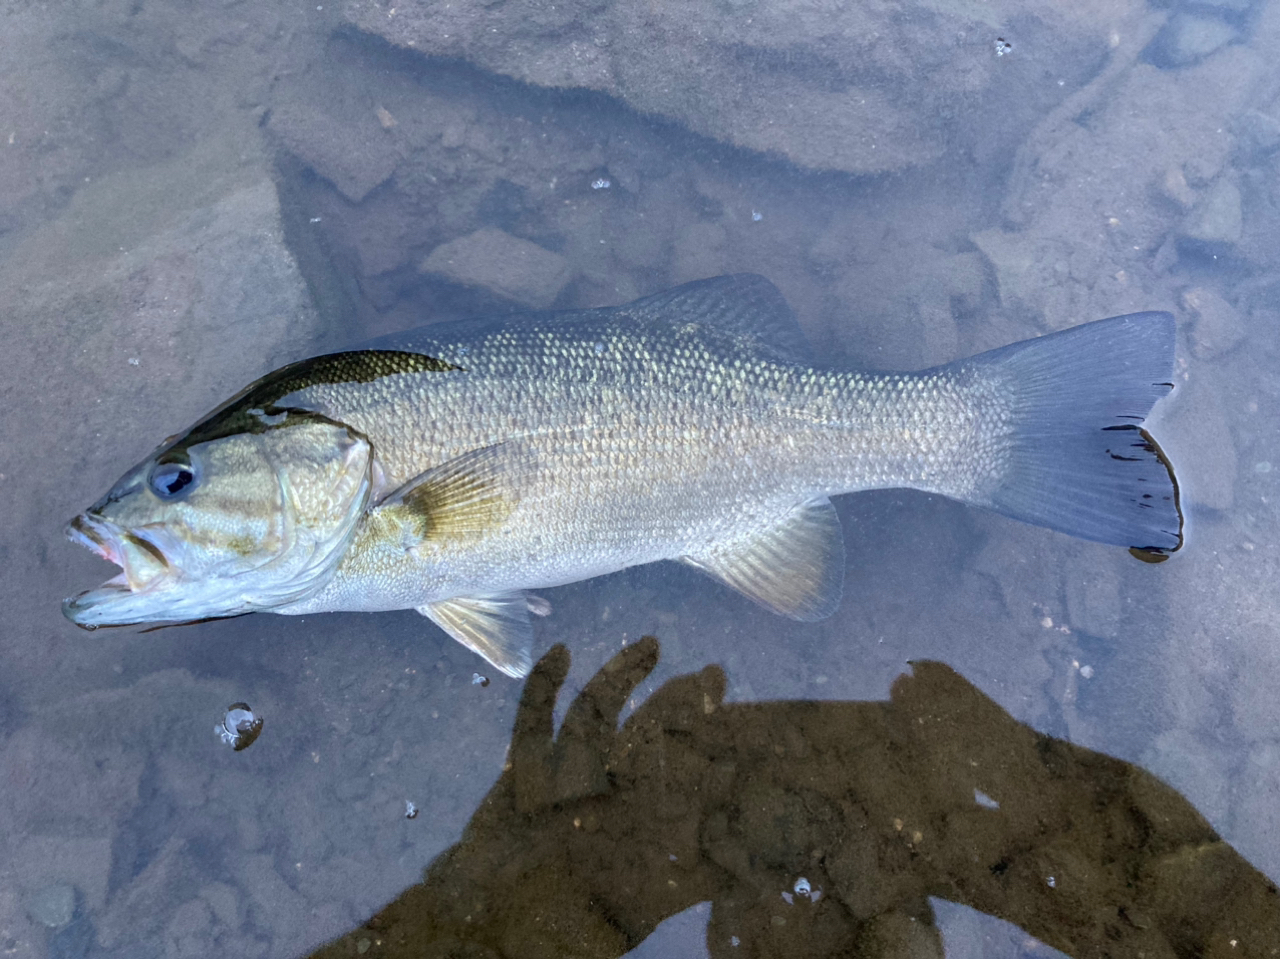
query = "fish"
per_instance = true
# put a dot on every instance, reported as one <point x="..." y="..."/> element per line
<point x="455" y="468"/>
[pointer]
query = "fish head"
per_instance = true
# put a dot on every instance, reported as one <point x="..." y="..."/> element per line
<point x="243" y="513"/>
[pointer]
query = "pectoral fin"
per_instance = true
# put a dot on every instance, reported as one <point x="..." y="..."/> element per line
<point x="794" y="566"/>
<point x="464" y="497"/>
<point x="497" y="627"/>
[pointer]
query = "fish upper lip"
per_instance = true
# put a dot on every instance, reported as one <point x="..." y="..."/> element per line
<point x="115" y="545"/>
<point x="95" y="536"/>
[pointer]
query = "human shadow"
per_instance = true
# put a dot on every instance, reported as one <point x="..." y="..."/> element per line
<point x="591" y="838"/>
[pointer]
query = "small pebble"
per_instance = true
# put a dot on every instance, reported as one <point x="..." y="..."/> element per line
<point x="600" y="184"/>
<point x="239" y="727"/>
<point x="410" y="810"/>
<point x="478" y="680"/>
<point x="1263" y="467"/>
<point x="983" y="800"/>
<point x="1086" y="671"/>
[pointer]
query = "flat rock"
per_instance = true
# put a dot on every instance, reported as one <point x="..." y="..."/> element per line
<point x="1217" y="327"/>
<point x="1190" y="38"/>
<point x="353" y="153"/>
<point x="1218" y="217"/>
<point x="837" y="87"/>
<point x="1021" y="263"/>
<point x="505" y="264"/>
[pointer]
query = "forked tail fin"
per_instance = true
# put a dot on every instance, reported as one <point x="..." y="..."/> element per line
<point x="1078" y="458"/>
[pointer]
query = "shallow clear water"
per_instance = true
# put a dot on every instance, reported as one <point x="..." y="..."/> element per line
<point x="192" y="196"/>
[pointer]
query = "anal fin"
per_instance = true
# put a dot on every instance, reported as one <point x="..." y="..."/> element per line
<point x="495" y="626"/>
<point x="793" y="566"/>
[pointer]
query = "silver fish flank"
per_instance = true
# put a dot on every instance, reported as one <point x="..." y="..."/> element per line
<point x="450" y="469"/>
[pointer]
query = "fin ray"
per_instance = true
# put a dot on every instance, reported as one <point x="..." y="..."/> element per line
<point x="794" y="566"/>
<point x="743" y="304"/>
<point x="496" y="626"/>
<point x="1078" y="460"/>
<point x="463" y="497"/>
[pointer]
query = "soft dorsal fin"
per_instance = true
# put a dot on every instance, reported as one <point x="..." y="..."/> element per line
<point x="495" y="626"/>
<point x="793" y="566"/>
<point x="466" y="496"/>
<point x="743" y="304"/>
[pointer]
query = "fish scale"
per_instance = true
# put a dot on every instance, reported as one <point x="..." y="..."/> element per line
<point x="524" y="452"/>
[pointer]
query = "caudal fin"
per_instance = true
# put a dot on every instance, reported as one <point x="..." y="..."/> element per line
<point x="1078" y="458"/>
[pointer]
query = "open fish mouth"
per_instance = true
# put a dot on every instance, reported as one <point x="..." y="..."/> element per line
<point x="144" y="568"/>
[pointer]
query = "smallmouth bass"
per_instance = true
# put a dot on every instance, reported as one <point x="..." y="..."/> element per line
<point x="451" y="468"/>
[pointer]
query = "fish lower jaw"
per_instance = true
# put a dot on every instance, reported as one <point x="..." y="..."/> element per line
<point x="114" y="603"/>
<point x="172" y="599"/>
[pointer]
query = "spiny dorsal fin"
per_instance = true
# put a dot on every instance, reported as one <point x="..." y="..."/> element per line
<point x="743" y="304"/>
<point x="793" y="566"/>
<point x="466" y="496"/>
<point x="497" y="627"/>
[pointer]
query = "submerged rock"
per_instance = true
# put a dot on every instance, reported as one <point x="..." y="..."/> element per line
<point x="1218" y="217"/>
<point x="859" y="88"/>
<point x="502" y="263"/>
<point x="1190" y="38"/>
<point x="1218" y="326"/>
<point x="53" y="906"/>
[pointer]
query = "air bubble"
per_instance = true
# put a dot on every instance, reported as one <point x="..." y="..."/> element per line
<point x="239" y="727"/>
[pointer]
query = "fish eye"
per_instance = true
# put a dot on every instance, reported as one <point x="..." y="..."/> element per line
<point x="170" y="480"/>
